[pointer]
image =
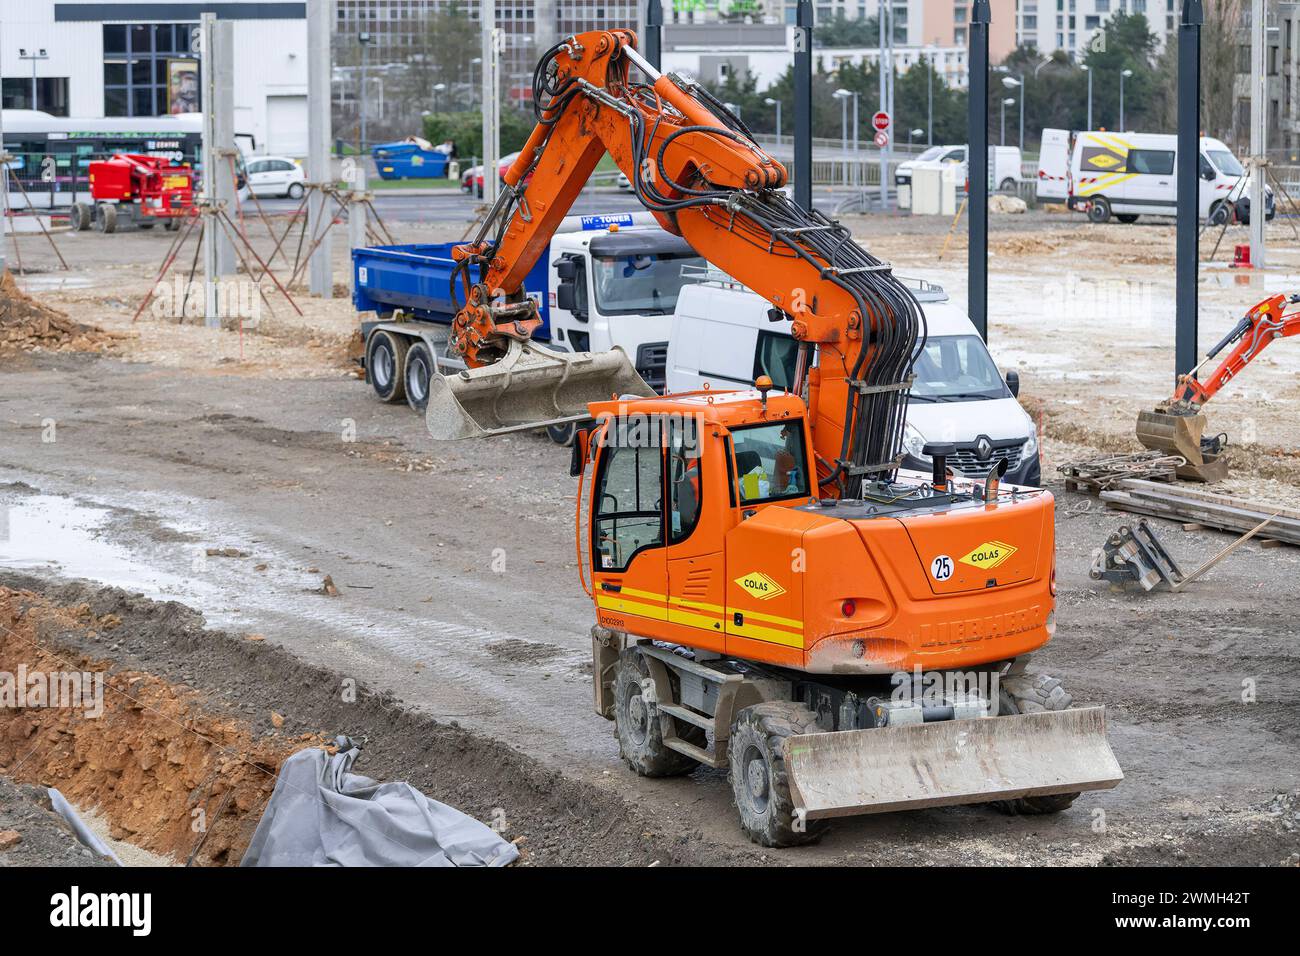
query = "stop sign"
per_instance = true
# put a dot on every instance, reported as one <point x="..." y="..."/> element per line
<point x="880" y="121"/>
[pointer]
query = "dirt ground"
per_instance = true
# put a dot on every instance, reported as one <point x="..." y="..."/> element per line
<point x="202" y="483"/>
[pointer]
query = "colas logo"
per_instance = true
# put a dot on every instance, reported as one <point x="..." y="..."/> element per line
<point x="759" y="585"/>
<point x="988" y="555"/>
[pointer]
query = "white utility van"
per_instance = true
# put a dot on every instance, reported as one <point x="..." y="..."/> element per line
<point x="723" y="337"/>
<point x="1004" y="164"/>
<point x="1134" y="174"/>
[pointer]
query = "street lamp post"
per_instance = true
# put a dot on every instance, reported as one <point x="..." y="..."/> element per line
<point x="843" y="96"/>
<point x="1017" y="82"/>
<point x="477" y="61"/>
<point x="1088" y="70"/>
<point x="910" y="134"/>
<point x="437" y="88"/>
<point x="34" y="56"/>
<point x="1007" y="101"/>
<point x="1124" y="74"/>
<point x="364" y="39"/>
<point x="929" y="100"/>
<point x="772" y="101"/>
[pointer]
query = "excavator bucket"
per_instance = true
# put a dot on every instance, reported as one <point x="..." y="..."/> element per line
<point x="531" y="387"/>
<point x="1181" y="435"/>
<point x="937" y="764"/>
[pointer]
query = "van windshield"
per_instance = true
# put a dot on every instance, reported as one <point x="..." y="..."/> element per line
<point x="934" y="152"/>
<point x="956" y="368"/>
<point x="643" y="284"/>
<point x="1226" y="162"/>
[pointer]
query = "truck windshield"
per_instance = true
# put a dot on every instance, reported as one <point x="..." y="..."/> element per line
<point x="1226" y="162"/>
<point x="643" y="284"/>
<point x="956" y="368"/>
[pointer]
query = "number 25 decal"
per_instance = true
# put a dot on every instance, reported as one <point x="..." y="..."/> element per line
<point x="941" y="567"/>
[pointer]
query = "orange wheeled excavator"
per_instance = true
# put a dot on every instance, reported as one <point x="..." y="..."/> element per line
<point x="773" y="596"/>
<point x="1177" y="426"/>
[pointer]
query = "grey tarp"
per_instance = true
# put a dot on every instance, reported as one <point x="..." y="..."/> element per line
<point x="322" y="814"/>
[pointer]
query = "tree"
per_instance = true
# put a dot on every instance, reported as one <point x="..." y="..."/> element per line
<point x="465" y="129"/>
<point x="1220" y="37"/>
<point x="1127" y="43"/>
<point x="840" y="31"/>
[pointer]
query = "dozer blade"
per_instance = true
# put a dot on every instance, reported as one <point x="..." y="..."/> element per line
<point x="948" y="762"/>
<point x="531" y="387"/>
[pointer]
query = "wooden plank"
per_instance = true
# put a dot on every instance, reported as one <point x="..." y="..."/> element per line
<point x="1139" y="486"/>
<point x="1225" y="519"/>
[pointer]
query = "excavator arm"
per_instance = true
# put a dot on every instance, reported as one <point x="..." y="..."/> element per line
<point x="1268" y="320"/>
<point x="699" y="170"/>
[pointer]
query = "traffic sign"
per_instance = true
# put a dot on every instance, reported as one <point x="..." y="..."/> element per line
<point x="881" y="121"/>
<point x="882" y="139"/>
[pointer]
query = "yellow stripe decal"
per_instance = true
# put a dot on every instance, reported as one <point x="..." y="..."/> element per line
<point x="1105" y="184"/>
<point x="632" y="607"/>
<point x="690" y="619"/>
<point x="771" y="635"/>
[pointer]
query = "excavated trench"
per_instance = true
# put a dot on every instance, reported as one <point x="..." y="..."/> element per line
<point x="195" y="723"/>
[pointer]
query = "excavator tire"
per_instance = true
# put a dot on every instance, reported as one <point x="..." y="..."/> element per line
<point x="640" y="736"/>
<point x="1031" y="694"/>
<point x="759" y="780"/>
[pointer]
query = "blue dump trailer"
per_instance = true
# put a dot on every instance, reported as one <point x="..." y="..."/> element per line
<point x="407" y="160"/>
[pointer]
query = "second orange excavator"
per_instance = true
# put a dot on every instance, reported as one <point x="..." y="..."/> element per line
<point x="773" y="595"/>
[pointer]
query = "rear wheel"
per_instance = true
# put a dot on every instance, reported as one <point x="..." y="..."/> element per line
<point x="1008" y="185"/>
<point x="386" y="365"/>
<point x="1128" y="218"/>
<point x="1099" y="210"/>
<point x="106" y="219"/>
<point x="760" y="782"/>
<point x="639" y="727"/>
<point x="1034" y="694"/>
<point x="419" y="372"/>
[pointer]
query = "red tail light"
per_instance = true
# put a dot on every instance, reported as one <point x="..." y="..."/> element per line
<point x="848" y="608"/>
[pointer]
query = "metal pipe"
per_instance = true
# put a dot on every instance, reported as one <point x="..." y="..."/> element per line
<point x="641" y="63"/>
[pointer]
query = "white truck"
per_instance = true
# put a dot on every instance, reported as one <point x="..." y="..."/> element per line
<point x="1128" y="175"/>
<point x="725" y="336"/>
<point x="605" y="282"/>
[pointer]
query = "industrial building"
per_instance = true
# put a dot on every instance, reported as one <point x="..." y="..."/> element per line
<point x="102" y="60"/>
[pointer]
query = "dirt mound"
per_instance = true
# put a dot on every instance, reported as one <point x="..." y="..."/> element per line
<point x="171" y="778"/>
<point x="26" y="324"/>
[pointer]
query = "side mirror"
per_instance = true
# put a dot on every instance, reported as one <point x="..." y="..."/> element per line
<point x="1013" y="383"/>
<point x="581" y="450"/>
<point x="566" y="269"/>
<point x="1208" y="175"/>
<point x="566" y="296"/>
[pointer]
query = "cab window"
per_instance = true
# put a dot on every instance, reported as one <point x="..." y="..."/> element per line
<point x="629" y="515"/>
<point x="1151" y="162"/>
<point x="684" y="462"/>
<point x="771" y="462"/>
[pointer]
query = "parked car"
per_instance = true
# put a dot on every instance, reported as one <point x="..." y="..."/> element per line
<point x="471" y="180"/>
<point x="276" y="176"/>
<point x="1004" y="164"/>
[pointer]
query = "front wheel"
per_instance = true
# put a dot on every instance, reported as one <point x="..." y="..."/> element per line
<point x="639" y="725"/>
<point x="295" y="191"/>
<point x="1099" y="210"/>
<point x="79" y="217"/>
<point x="760" y="781"/>
<point x="1220" y="214"/>
<point x="106" y="219"/>
<point x="1032" y="694"/>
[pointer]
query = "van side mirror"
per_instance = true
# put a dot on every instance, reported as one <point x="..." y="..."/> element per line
<point x="1013" y="383"/>
<point x="566" y="269"/>
<point x="1208" y="175"/>
<point x="566" y="298"/>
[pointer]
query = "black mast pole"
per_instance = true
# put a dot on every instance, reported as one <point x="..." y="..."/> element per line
<point x="803" y="105"/>
<point x="1187" y="304"/>
<point x="977" y="155"/>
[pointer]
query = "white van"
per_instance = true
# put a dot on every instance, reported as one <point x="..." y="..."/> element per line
<point x="1132" y="174"/>
<point x="724" y="338"/>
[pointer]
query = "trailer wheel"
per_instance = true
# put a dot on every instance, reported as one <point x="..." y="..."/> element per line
<point x="79" y="216"/>
<point x="386" y="365"/>
<point x="562" y="435"/>
<point x="639" y="730"/>
<point x="1031" y="694"/>
<point x="106" y="219"/>
<point x="419" y="372"/>
<point x="759" y="780"/>
<point x="1099" y="210"/>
